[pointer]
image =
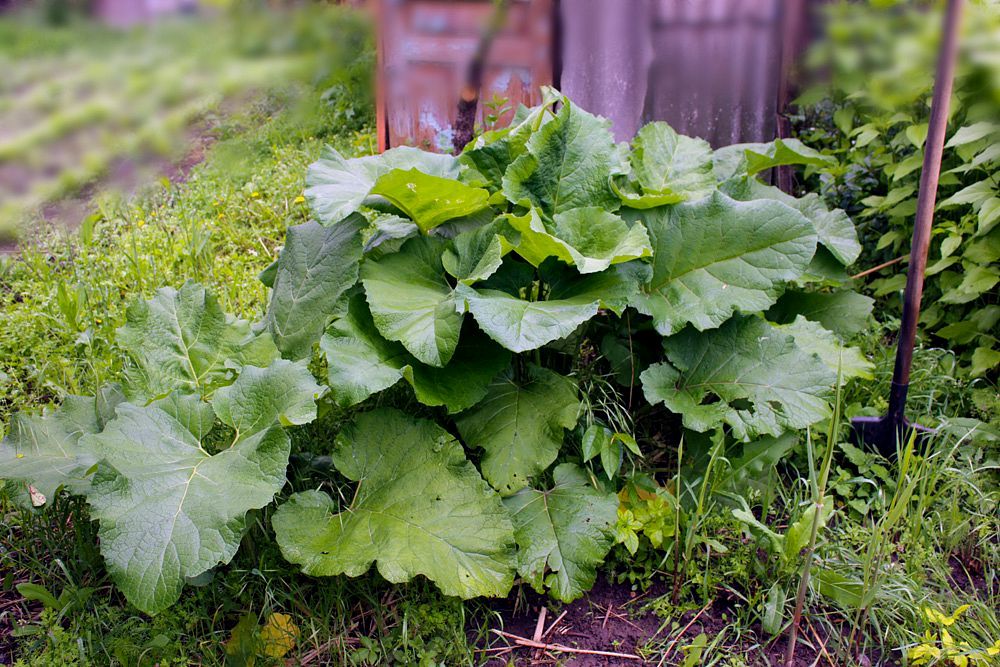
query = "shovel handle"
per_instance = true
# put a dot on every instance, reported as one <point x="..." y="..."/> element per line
<point x="929" y="175"/>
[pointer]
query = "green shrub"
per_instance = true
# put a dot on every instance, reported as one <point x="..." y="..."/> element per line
<point x="481" y="281"/>
<point x="873" y="119"/>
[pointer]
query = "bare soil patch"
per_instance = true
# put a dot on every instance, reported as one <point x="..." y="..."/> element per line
<point x="613" y="619"/>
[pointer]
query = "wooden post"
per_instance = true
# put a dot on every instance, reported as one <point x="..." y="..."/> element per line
<point x="926" y="198"/>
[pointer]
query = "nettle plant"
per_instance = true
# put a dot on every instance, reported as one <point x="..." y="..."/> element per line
<point x="476" y="281"/>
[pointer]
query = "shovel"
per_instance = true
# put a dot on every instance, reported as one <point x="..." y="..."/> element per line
<point x="883" y="433"/>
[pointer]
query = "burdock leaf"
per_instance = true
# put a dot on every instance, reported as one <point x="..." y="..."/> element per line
<point x="430" y="200"/>
<point x="833" y="227"/>
<point x="492" y="152"/>
<point x="44" y="451"/>
<point x="412" y="302"/>
<point x="476" y="254"/>
<point x="589" y="238"/>
<point x="812" y="337"/>
<point x="749" y="159"/>
<point x="521" y="325"/>
<point x="316" y="266"/>
<point x="844" y="312"/>
<point x="360" y="363"/>
<point x="520" y="425"/>
<point x="338" y="187"/>
<point x="715" y="256"/>
<point x="746" y="374"/>
<point x="420" y="509"/>
<point x="566" y="531"/>
<point x="181" y="340"/>
<point x="667" y="168"/>
<point x="568" y="165"/>
<point x="171" y="510"/>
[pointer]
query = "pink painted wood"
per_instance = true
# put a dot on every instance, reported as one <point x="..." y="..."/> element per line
<point x="424" y="48"/>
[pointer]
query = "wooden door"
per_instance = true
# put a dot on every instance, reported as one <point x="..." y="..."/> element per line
<point x="424" y="47"/>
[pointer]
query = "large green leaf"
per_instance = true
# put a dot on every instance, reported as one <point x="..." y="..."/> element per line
<point x="521" y="325"/>
<point x="812" y="337"/>
<point x="717" y="255"/>
<point x="337" y="187"/>
<point x="360" y="363"/>
<point x="420" y="508"/>
<point x="614" y="288"/>
<point x="757" y="460"/>
<point x="568" y="165"/>
<point x="667" y="168"/>
<point x="181" y="340"/>
<point x="388" y="233"/>
<point x="315" y="267"/>
<point x="843" y="312"/>
<point x="567" y="530"/>
<point x="168" y="508"/>
<point x="749" y="159"/>
<point x="429" y="200"/>
<point x="833" y="227"/>
<point x="520" y="425"/>
<point x="465" y="380"/>
<point x="590" y="238"/>
<point x="492" y="152"/>
<point x="284" y="393"/>
<point x="44" y="451"/>
<point x="412" y="302"/>
<point x="746" y="374"/>
<point x="476" y="254"/>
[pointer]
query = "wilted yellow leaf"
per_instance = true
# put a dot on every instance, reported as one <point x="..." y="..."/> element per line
<point x="279" y="635"/>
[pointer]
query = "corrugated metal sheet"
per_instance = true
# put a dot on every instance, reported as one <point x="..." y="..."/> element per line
<point x="711" y="68"/>
<point x="424" y="50"/>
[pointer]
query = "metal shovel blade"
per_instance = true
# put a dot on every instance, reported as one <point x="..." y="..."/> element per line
<point x="885" y="433"/>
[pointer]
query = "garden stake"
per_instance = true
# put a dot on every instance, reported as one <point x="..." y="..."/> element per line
<point x="884" y="432"/>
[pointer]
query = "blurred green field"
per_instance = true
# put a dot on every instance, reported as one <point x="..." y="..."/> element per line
<point x="85" y="105"/>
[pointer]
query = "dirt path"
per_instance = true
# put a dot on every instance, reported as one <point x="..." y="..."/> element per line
<point x="128" y="175"/>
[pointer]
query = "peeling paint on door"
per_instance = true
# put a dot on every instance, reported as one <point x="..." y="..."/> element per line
<point x="424" y="50"/>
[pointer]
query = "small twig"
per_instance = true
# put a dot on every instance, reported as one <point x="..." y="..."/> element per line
<point x="540" y="624"/>
<point x="878" y="268"/>
<point x="522" y="641"/>
<point x="611" y="612"/>
<point x="537" y="637"/>
<point x="822" y="644"/>
<point x="321" y="650"/>
<point x="554" y="623"/>
<point x="680" y="634"/>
